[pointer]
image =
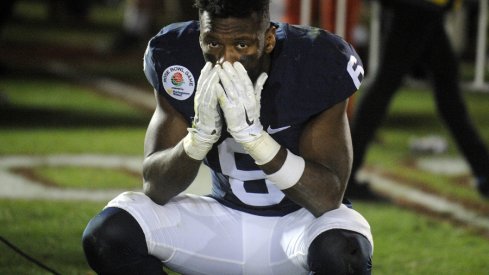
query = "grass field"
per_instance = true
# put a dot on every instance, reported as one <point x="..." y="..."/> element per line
<point x="49" y="115"/>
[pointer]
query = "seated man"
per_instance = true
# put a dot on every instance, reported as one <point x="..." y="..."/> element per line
<point x="280" y="158"/>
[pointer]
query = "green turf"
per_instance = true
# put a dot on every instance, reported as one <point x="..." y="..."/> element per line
<point x="88" y="178"/>
<point x="58" y="29"/>
<point x="48" y="231"/>
<point x="59" y="95"/>
<point x="118" y="140"/>
<point x="405" y="242"/>
<point x="409" y="243"/>
<point x="54" y="117"/>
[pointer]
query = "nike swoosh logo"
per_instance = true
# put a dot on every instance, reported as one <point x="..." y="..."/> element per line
<point x="272" y="131"/>
<point x="250" y="122"/>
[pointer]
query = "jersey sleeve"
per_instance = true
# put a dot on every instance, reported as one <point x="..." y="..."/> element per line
<point x="316" y="70"/>
<point x="312" y="70"/>
<point x="172" y="63"/>
<point x="149" y="68"/>
<point x="336" y="69"/>
<point x="175" y="44"/>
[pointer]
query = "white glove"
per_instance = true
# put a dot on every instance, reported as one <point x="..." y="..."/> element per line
<point x="240" y="103"/>
<point x="207" y="122"/>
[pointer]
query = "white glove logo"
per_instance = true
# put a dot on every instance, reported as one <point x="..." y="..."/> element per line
<point x="250" y="122"/>
<point x="240" y="101"/>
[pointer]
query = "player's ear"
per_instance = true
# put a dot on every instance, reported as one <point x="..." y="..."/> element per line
<point x="270" y="40"/>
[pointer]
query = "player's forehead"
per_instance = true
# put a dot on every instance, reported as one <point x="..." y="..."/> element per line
<point x="230" y="27"/>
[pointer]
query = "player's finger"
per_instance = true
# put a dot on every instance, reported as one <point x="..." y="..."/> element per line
<point x="221" y="95"/>
<point x="229" y="69"/>
<point x="233" y="75"/>
<point x="243" y="76"/>
<point x="227" y="84"/>
<point x="211" y="80"/>
<point x="211" y="98"/>
<point x="203" y="75"/>
<point x="260" y="82"/>
<point x="207" y="68"/>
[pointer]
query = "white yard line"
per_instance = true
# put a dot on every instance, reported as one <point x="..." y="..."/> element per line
<point x="434" y="203"/>
<point x="16" y="186"/>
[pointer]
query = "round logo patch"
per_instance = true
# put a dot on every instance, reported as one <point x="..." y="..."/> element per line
<point x="178" y="82"/>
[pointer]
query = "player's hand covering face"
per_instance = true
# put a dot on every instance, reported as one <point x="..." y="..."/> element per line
<point x="240" y="101"/>
<point x="235" y="40"/>
<point x="207" y="123"/>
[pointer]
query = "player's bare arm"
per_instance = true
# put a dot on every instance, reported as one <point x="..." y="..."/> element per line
<point x="173" y="151"/>
<point x="326" y="148"/>
<point x="164" y="155"/>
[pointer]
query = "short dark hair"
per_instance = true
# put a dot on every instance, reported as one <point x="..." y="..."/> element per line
<point x="235" y="8"/>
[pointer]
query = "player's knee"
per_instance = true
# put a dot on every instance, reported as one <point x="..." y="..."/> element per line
<point x="114" y="243"/>
<point x="340" y="251"/>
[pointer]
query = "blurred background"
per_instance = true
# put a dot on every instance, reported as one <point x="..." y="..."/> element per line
<point x="74" y="107"/>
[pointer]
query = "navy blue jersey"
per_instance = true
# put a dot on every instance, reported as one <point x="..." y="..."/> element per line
<point x="311" y="70"/>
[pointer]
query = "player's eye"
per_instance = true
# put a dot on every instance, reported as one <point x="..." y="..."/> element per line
<point x="241" y="45"/>
<point x="213" y="44"/>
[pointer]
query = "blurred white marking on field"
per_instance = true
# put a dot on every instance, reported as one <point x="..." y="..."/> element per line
<point x="16" y="186"/>
<point x="399" y="191"/>
<point x="444" y="166"/>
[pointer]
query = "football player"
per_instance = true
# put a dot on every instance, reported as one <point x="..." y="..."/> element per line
<point x="262" y="104"/>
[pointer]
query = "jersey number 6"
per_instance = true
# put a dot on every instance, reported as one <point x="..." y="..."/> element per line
<point x="355" y="70"/>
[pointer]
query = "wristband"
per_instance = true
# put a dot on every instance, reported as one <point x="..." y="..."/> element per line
<point x="263" y="149"/>
<point x="195" y="148"/>
<point x="290" y="172"/>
